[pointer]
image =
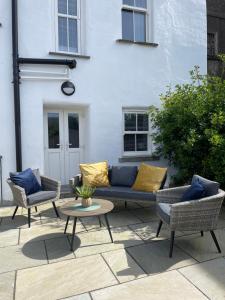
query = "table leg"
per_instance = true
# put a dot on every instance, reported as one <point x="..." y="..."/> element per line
<point x="99" y="220"/>
<point x="108" y="227"/>
<point x="67" y="221"/>
<point x="73" y="233"/>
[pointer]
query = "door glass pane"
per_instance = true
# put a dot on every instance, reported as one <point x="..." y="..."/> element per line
<point x="73" y="127"/>
<point x="73" y="35"/>
<point x="62" y="6"/>
<point x="142" y="122"/>
<point x="63" y="42"/>
<point x="141" y="3"/>
<point x="72" y="7"/>
<point x="142" y="142"/>
<point x="127" y="25"/>
<point x="129" y="142"/>
<point x="139" y="24"/>
<point x="53" y="130"/>
<point x="130" y="122"/>
<point x="128" y="2"/>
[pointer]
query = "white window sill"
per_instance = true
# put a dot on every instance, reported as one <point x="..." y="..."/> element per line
<point x="148" y="44"/>
<point x="69" y="54"/>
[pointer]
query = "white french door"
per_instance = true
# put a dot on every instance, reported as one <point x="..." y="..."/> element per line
<point x="63" y="152"/>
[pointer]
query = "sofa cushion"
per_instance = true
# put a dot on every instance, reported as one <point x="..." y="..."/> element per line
<point x="123" y="175"/>
<point x="149" y="178"/>
<point x="27" y="180"/>
<point x="195" y="191"/>
<point x="41" y="196"/>
<point x="122" y="192"/>
<point x="211" y="187"/>
<point x="163" y="210"/>
<point x="95" y="174"/>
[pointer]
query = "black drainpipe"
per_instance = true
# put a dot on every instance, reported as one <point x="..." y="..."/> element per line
<point x="16" y="78"/>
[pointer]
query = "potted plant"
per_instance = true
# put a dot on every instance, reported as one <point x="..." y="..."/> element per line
<point x="85" y="192"/>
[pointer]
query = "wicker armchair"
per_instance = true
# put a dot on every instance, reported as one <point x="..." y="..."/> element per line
<point x="50" y="193"/>
<point x="196" y="215"/>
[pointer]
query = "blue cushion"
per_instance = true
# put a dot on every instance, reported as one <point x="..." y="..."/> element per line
<point x="195" y="191"/>
<point x="123" y="192"/>
<point x="163" y="211"/>
<point x="211" y="187"/>
<point x="26" y="180"/>
<point x="123" y="175"/>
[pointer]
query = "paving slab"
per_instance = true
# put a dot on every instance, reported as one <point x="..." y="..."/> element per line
<point x="8" y="237"/>
<point x="154" y="257"/>
<point x="63" y="279"/>
<point x="79" y="297"/>
<point x="145" y="214"/>
<point x="169" y="286"/>
<point x="209" y="277"/>
<point x="123" y="266"/>
<point x="7" y="285"/>
<point x="122" y="218"/>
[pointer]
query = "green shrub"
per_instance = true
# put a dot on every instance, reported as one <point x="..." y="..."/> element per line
<point x="190" y="128"/>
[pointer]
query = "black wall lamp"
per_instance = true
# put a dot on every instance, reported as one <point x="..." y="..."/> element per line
<point x="68" y="88"/>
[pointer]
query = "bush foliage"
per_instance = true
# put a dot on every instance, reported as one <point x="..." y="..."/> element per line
<point x="190" y="127"/>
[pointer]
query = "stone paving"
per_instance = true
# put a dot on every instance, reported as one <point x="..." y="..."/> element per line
<point x="35" y="263"/>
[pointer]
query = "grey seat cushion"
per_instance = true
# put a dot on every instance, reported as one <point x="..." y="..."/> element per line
<point x="211" y="187"/>
<point x="41" y="196"/>
<point x="123" y="175"/>
<point x="163" y="210"/>
<point x="122" y="192"/>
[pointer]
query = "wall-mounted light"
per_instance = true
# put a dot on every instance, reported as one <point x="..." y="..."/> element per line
<point x="68" y="88"/>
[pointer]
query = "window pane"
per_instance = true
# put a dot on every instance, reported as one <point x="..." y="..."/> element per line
<point x="63" y="41"/>
<point x="53" y="130"/>
<point x="142" y="142"/>
<point x="130" y="122"/>
<point x="127" y="25"/>
<point x="73" y="35"/>
<point x="141" y="3"/>
<point x="139" y="24"/>
<point x="129" y="142"/>
<point x="73" y="124"/>
<point x="72" y="7"/>
<point x="62" y="6"/>
<point x="142" y="122"/>
<point x="128" y="2"/>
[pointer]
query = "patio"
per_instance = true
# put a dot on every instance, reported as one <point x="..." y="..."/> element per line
<point x="36" y="263"/>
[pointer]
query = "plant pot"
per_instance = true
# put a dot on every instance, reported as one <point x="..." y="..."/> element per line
<point x="86" y="202"/>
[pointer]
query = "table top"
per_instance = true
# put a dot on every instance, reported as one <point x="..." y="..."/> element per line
<point x="69" y="208"/>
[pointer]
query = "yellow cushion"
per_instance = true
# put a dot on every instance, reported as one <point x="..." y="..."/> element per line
<point x="95" y="175"/>
<point x="149" y="178"/>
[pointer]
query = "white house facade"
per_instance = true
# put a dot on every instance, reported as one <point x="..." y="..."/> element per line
<point x="127" y="52"/>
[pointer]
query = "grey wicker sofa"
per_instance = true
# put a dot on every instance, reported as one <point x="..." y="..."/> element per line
<point x="50" y="193"/>
<point x="196" y="215"/>
<point x="123" y="193"/>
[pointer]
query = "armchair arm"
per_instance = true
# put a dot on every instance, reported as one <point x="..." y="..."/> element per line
<point x="171" y="195"/>
<point x="50" y="184"/>
<point x="19" y="195"/>
<point x="195" y="215"/>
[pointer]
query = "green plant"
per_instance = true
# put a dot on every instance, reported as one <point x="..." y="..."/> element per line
<point x="84" y="191"/>
<point x="189" y="129"/>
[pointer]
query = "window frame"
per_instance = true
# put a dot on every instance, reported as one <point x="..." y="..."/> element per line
<point x="136" y="153"/>
<point x="136" y="9"/>
<point x="215" y="34"/>
<point x="67" y="16"/>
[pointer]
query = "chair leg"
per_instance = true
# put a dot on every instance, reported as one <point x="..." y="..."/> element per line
<point x="171" y="243"/>
<point x="14" y="212"/>
<point x="159" y="228"/>
<point x="99" y="220"/>
<point x="56" y="211"/>
<point x="76" y="197"/>
<point x="28" y="217"/>
<point x="125" y="204"/>
<point x="215" y="240"/>
<point x="202" y="233"/>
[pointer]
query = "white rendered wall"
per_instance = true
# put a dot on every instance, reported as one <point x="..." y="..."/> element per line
<point x="116" y="75"/>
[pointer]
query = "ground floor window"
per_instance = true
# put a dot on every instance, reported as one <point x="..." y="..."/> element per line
<point x="136" y="132"/>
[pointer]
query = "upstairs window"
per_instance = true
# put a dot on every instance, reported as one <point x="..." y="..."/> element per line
<point x="136" y="133"/>
<point x="134" y="20"/>
<point x="212" y="43"/>
<point x="68" y="25"/>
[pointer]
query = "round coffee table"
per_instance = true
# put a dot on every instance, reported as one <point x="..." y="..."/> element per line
<point x="74" y="209"/>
